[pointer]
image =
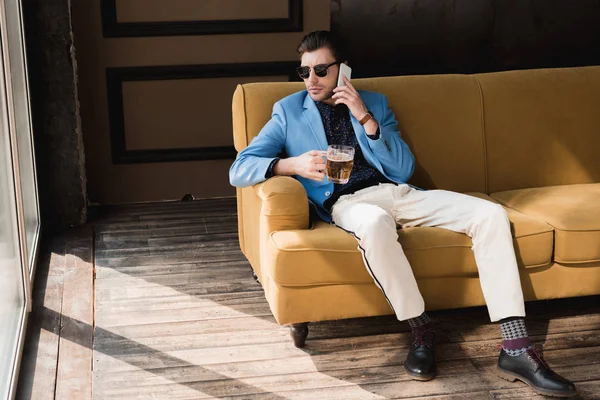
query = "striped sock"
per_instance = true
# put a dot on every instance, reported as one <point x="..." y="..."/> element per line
<point x="514" y="334"/>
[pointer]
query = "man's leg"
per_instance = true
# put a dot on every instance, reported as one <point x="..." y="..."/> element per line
<point x="489" y="228"/>
<point x="366" y="215"/>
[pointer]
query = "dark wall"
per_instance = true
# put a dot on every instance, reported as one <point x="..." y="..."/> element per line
<point x="397" y="37"/>
<point x="55" y="112"/>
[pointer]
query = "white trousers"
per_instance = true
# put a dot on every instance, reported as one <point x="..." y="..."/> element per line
<point x="372" y="216"/>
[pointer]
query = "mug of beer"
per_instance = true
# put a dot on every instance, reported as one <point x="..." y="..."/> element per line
<point x="340" y="160"/>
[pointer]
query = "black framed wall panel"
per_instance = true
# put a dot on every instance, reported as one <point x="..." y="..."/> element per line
<point x="115" y="77"/>
<point x="112" y="28"/>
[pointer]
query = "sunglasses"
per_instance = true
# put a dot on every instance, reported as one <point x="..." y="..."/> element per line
<point x="320" y="70"/>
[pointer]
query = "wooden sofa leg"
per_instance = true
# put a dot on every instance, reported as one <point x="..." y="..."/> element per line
<point x="299" y="332"/>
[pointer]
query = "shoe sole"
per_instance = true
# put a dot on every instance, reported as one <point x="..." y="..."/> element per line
<point x="418" y="377"/>
<point x="509" y="376"/>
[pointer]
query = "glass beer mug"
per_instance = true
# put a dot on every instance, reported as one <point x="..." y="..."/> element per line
<point x="340" y="160"/>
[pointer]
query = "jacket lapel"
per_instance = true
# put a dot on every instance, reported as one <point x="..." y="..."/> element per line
<point x="312" y="115"/>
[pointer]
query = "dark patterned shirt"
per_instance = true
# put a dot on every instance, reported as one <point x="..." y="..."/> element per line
<point x="339" y="130"/>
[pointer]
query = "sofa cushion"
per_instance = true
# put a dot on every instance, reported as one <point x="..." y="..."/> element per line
<point x="328" y="255"/>
<point x="441" y="109"/>
<point x="541" y="127"/>
<point x="572" y="210"/>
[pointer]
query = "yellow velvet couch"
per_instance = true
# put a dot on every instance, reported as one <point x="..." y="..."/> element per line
<point x="529" y="140"/>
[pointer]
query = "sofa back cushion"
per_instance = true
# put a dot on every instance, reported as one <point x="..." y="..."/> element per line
<point x="439" y="116"/>
<point x="542" y="127"/>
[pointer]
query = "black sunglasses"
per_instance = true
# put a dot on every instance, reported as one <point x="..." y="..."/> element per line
<point x="320" y="70"/>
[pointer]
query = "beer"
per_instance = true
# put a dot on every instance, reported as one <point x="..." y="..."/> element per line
<point x="340" y="160"/>
<point x="339" y="168"/>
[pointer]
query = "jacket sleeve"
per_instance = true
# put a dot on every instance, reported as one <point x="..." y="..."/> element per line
<point x="252" y="163"/>
<point x="396" y="158"/>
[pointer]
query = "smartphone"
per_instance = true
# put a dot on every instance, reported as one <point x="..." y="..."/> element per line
<point x="346" y="71"/>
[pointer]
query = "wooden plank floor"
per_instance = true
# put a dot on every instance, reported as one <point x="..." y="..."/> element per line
<point x="177" y="315"/>
<point x="57" y="357"/>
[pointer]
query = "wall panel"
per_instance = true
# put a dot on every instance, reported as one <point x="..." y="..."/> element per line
<point x="156" y="110"/>
<point x="137" y="18"/>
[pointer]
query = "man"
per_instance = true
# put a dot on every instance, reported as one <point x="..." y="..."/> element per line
<point x="376" y="199"/>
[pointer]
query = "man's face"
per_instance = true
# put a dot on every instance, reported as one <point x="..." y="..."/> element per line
<point x="320" y="88"/>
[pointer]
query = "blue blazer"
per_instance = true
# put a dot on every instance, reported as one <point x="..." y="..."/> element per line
<point x="296" y="127"/>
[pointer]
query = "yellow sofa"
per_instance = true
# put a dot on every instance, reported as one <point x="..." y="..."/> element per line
<point x="529" y="140"/>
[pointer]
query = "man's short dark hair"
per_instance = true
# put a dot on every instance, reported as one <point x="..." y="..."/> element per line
<point x="322" y="39"/>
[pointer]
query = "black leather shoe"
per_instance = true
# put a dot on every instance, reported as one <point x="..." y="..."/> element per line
<point x="420" y="361"/>
<point x="531" y="368"/>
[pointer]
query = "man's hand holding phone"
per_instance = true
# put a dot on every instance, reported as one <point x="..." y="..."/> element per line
<point x="347" y="94"/>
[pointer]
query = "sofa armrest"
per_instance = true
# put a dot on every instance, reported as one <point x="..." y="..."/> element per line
<point x="284" y="205"/>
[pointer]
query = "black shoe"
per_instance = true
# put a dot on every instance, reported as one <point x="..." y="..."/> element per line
<point x="531" y="368"/>
<point x="420" y="361"/>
